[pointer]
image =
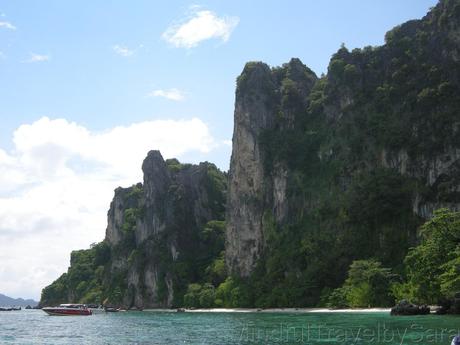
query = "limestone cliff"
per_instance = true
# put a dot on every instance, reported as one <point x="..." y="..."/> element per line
<point x="324" y="171"/>
<point x="259" y="100"/>
<point x="171" y="207"/>
<point x="157" y="239"/>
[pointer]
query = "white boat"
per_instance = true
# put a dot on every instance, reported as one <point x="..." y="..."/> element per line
<point x="97" y="310"/>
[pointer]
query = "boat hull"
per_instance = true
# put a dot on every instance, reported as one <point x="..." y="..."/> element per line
<point x="67" y="312"/>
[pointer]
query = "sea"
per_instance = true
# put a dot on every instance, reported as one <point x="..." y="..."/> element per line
<point x="221" y="328"/>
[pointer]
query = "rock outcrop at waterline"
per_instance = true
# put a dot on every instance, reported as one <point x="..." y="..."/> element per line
<point x="405" y="308"/>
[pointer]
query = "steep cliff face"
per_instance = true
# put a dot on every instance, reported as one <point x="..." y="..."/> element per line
<point x="167" y="214"/>
<point x="325" y="171"/>
<point x="246" y="197"/>
<point x="259" y="100"/>
<point x="154" y="245"/>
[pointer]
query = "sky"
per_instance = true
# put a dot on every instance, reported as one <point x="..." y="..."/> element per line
<point x="87" y="88"/>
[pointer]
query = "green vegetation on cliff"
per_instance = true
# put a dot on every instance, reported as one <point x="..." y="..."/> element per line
<point x="83" y="280"/>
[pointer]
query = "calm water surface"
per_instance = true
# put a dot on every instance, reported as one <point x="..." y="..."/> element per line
<point x="35" y="327"/>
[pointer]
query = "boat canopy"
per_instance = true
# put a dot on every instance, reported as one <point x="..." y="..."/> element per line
<point x="68" y="305"/>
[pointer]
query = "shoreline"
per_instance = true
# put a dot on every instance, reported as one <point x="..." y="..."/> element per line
<point x="275" y="310"/>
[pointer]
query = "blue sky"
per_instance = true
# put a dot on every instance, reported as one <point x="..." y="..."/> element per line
<point x="86" y="81"/>
<point x="88" y="87"/>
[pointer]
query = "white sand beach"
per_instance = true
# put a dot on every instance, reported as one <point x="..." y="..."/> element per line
<point x="276" y="310"/>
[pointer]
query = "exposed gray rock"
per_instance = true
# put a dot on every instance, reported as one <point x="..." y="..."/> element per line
<point x="253" y="113"/>
<point x="170" y="207"/>
<point x="115" y="217"/>
<point x="441" y="174"/>
<point x="280" y="202"/>
<point x="405" y="308"/>
<point x="252" y="193"/>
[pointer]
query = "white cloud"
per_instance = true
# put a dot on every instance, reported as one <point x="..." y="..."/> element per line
<point x="37" y="58"/>
<point x="7" y="25"/>
<point x="57" y="183"/>
<point x="202" y="25"/>
<point x="171" y="94"/>
<point x="123" y="51"/>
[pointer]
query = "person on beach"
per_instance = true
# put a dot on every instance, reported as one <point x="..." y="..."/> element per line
<point x="456" y="340"/>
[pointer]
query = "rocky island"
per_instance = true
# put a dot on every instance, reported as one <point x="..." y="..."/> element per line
<point x="333" y="179"/>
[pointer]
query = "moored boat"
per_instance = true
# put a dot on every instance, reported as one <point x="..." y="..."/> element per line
<point x="9" y="308"/>
<point x="68" y="310"/>
<point x="112" y="309"/>
<point x="96" y="309"/>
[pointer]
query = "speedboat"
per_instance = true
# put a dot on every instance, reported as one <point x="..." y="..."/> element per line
<point x="112" y="309"/>
<point x="68" y="310"/>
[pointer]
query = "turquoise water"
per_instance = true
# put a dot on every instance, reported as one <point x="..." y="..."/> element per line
<point x="146" y="328"/>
